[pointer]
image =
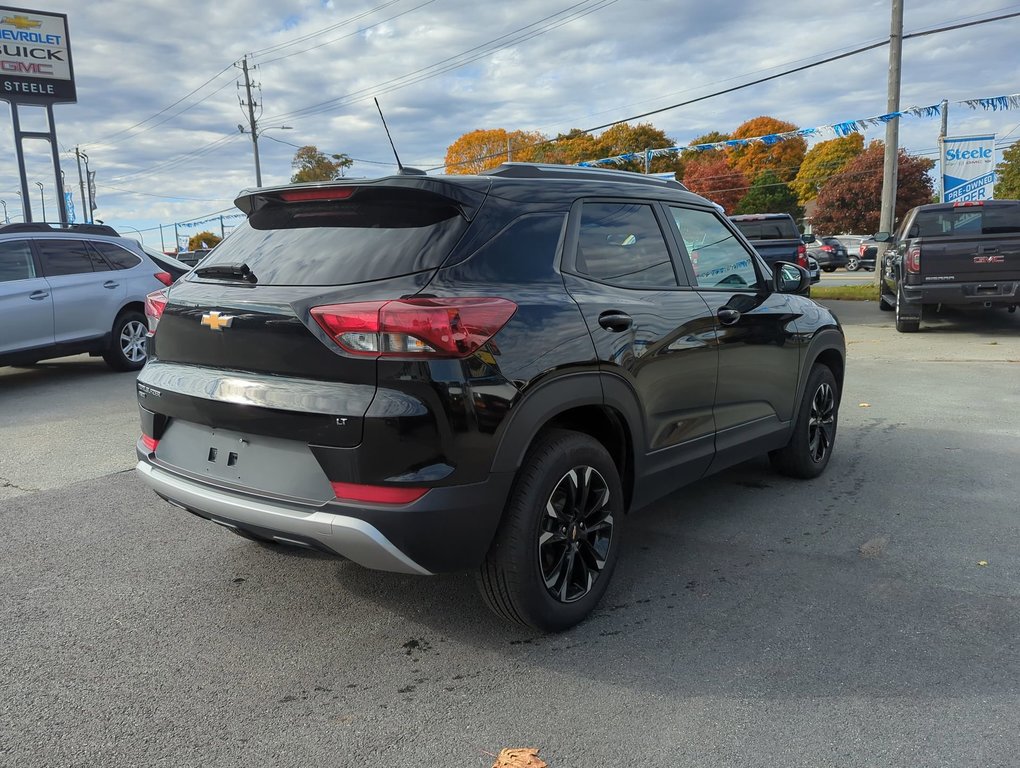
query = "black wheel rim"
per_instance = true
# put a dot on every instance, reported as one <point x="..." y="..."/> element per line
<point x="575" y="534"/>
<point x="822" y="423"/>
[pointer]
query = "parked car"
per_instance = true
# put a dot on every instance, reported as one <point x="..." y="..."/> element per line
<point x="866" y="254"/>
<point x="964" y="254"/>
<point x="829" y="252"/>
<point x="814" y="270"/>
<point x="774" y="236"/>
<point x="490" y="374"/>
<point x="176" y="269"/>
<point x="191" y="258"/>
<point x="74" y="289"/>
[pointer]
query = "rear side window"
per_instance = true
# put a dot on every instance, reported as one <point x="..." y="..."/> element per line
<point x="621" y="244"/>
<point x="16" y="261"/>
<point x="64" y="257"/>
<point x="968" y="221"/>
<point x="718" y="257"/>
<point x="375" y="234"/>
<point x="768" y="229"/>
<point x="118" y="258"/>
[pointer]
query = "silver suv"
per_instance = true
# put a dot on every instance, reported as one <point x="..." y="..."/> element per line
<point x="72" y="290"/>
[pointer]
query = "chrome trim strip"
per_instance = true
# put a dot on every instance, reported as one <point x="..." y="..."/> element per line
<point x="353" y="538"/>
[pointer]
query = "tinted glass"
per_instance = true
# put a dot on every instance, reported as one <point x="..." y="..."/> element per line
<point x="769" y="229"/>
<point x="968" y="221"/>
<point x="64" y="257"/>
<point x="375" y="234"/>
<point x="118" y="257"/>
<point x="16" y="261"/>
<point x="621" y="244"/>
<point x="718" y="258"/>
<point x="524" y="252"/>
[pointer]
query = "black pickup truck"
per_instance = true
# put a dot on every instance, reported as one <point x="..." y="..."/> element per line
<point x="775" y="236"/>
<point x="952" y="254"/>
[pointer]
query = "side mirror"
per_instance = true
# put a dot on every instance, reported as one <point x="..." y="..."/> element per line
<point x="790" y="278"/>
<point x="883" y="237"/>
<point x="809" y="238"/>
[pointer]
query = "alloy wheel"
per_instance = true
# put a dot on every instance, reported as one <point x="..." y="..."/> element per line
<point x="822" y="422"/>
<point x="575" y="534"/>
<point x="132" y="341"/>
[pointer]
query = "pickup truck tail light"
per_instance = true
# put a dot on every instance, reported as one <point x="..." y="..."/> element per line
<point x="802" y="256"/>
<point x="913" y="260"/>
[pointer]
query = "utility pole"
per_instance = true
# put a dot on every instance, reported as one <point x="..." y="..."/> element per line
<point x="943" y="130"/>
<point x="86" y="214"/>
<point x="887" y="221"/>
<point x="250" y="104"/>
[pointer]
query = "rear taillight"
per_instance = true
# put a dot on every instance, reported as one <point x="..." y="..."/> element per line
<point x="802" y="256"/>
<point x="150" y="443"/>
<point x="155" y="303"/>
<point x="913" y="261"/>
<point x="377" y="494"/>
<point x="305" y="195"/>
<point x="827" y="248"/>
<point x="423" y="328"/>
<point x="164" y="277"/>
<point x="968" y="203"/>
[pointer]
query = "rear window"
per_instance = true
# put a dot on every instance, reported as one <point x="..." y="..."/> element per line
<point x="768" y="229"/>
<point x="968" y="221"/>
<point x="375" y="234"/>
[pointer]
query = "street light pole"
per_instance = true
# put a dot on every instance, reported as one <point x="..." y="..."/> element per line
<point x="42" y="199"/>
<point x="7" y="219"/>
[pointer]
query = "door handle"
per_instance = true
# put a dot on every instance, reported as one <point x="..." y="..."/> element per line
<point x="110" y="284"/>
<point x="38" y="295"/>
<point x="614" y="320"/>
<point x="727" y="316"/>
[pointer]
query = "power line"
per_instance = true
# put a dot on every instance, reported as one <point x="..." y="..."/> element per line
<point x="324" y="30"/>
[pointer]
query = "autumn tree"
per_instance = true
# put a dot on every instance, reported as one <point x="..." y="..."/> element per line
<point x="313" y="165"/>
<point x="1007" y="184"/>
<point x="851" y="201"/>
<point x="713" y="178"/>
<point x="623" y="138"/>
<point x="486" y="148"/>
<point x="783" y="157"/>
<point x="770" y="195"/>
<point x="822" y="161"/>
<point x="203" y="240"/>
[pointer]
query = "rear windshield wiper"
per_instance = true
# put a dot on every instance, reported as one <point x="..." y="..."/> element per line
<point x="228" y="271"/>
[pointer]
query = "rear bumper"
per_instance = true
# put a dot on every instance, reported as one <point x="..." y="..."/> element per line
<point x="448" y="529"/>
<point x="1001" y="293"/>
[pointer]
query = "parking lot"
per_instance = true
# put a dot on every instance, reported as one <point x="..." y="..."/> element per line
<point x="867" y="618"/>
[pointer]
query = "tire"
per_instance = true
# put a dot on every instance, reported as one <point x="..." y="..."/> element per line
<point x="853" y="264"/>
<point x="814" y="432"/>
<point x="550" y="563"/>
<point x="828" y="269"/>
<point x="905" y="324"/>
<point x="127" y="342"/>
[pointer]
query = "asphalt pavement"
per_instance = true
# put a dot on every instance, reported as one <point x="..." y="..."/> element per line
<point x="867" y="618"/>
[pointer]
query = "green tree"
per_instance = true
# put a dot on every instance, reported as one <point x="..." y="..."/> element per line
<point x="770" y="195"/>
<point x="783" y="157"/>
<point x="487" y="148"/>
<point x="312" y="165"/>
<point x="851" y="201"/>
<point x="1007" y="184"/>
<point x="203" y="240"/>
<point x="822" y="161"/>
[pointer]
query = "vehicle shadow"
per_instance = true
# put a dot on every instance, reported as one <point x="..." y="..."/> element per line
<point x="59" y="372"/>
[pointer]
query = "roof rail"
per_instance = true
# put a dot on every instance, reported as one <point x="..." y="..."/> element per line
<point x="551" y="170"/>
<point x="42" y="226"/>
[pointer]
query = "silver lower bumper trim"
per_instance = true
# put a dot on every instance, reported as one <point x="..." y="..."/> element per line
<point x="348" y="536"/>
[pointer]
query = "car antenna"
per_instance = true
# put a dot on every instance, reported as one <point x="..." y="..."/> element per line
<point x="404" y="171"/>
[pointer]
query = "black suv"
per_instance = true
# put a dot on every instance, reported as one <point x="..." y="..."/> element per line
<point x="429" y="373"/>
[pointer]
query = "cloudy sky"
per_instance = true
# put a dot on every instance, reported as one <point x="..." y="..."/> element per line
<point x="158" y="103"/>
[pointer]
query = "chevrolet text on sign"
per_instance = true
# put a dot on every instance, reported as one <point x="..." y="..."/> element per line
<point x="35" y="57"/>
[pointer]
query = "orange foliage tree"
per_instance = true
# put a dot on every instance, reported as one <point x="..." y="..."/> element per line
<point x="712" y="177"/>
<point x="822" y="161"/>
<point x="486" y="148"/>
<point x="783" y="157"/>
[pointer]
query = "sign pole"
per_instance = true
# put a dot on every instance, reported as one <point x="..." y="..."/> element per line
<point x="20" y="152"/>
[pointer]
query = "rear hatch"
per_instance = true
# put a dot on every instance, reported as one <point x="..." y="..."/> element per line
<point x="969" y="242"/>
<point x="236" y="346"/>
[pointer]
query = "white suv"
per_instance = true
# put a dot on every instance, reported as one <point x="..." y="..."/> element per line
<point x="72" y="290"/>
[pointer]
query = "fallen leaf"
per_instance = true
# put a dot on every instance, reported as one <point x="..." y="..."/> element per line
<point x="519" y="758"/>
<point x="864" y="405"/>
<point x="982" y="562"/>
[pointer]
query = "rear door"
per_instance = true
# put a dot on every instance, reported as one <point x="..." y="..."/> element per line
<point x="759" y="357"/>
<point x="87" y="295"/>
<point x="650" y="328"/>
<point x="26" y="304"/>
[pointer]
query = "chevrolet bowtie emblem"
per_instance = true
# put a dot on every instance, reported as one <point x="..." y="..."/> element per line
<point x="21" y="22"/>
<point x="216" y="321"/>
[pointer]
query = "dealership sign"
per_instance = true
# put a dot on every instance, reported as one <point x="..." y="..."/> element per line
<point x="35" y="57"/>
<point x="968" y="168"/>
